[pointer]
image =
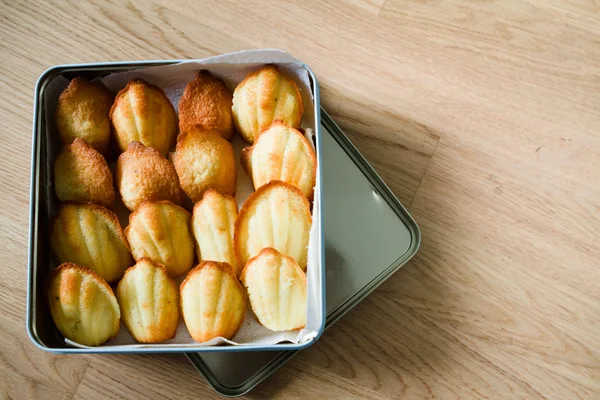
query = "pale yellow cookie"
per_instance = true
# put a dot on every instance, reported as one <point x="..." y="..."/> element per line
<point x="281" y="153"/>
<point x="149" y="301"/>
<point x="264" y="96"/>
<point x="90" y="235"/>
<point x="162" y="232"/>
<point x="277" y="290"/>
<point x="213" y="302"/>
<point x="83" y="306"/>
<point x="277" y="215"/>
<point x="212" y="223"/>
<point x="142" y="112"/>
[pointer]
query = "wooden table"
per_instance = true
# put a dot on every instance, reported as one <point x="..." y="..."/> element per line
<point x="482" y="116"/>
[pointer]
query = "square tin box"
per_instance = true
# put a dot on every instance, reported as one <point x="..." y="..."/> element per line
<point x="43" y="202"/>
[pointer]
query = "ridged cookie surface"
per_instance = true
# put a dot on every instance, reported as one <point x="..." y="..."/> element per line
<point x="277" y="290"/>
<point x="162" y="232"/>
<point x="212" y="221"/>
<point x="281" y="153"/>
<point x="90" y="235"/>
<point x="83" y="306"/>
<point x="213" y="302"/>
<point x="149" y="302"/>
<point x="142" y="112"/>
<point x="264" y="96"/>
<point x="277" y="215"/>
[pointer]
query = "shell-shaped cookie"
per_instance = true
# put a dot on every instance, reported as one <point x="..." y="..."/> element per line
<point x="277" y="215"/>
<point x="149" y="302"/>
<point x="212" y="221"/>
<point x="162" y="232"/>
<point x="264" y="96"/>
<point x="83" y="306"/>
<point x="277" y="290"/>
<point x="90" y="235"/>
<point x="204" y="160"/>
<point x="144" y="174"/>
<point x="142" y="112"/>
<point x="281" y="153"/>
<point x="213" y="302"/>
<point x="81" y="174"/>
<point x="206" y="101"/>
<point x="82" y="112"/>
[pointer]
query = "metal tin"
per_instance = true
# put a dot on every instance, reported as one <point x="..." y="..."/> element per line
<point x="40" y="327"/>
<point x="387" y="240"/>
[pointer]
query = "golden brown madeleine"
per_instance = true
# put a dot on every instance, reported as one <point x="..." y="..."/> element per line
<point x="281" y="153"/>
<point x="83" y="306"/>
<point x="162" y="232"/>
<point x="90" y="235"/>
<point x="277" y="290"/>
<point x="264" y="96"/>
<point x="206" y="101"/>
<point x="143" y="112"/>
<point x="82" y="112"/>
<point x="213" y="302"/>
<point x="212" y="222"/>
<point x="277" y="215"/>
<point x="149" y="301"/>
<point x="81" y="174"/>
<point x="204" y="160"/>
<point x="144" y="174"/>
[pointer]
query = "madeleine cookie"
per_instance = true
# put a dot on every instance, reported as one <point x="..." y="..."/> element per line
<point x="281" y="153"/>
<point x="82" y="112"/>
<point x="204" y="160"/>
<point x="142" y="112"/>
<point x="213" y="302"/>
<point x="149" y="301"/>
<point x="212" y="221"/>
<point x="90" y="235"/>
<point x="277" y="215"/>
<point x="206" y="101"/>
<point x="277" y="290"/>
<point x="81" y="174"/>
<point x="144" y="174"/>
<point x="83" y="306"/>
<point x="262" y="97"/>
<point x="161" y="231"/>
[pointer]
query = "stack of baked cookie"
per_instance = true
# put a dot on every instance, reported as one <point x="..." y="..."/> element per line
<point x="224" y="257"/>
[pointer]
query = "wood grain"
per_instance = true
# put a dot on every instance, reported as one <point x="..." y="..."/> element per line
<point x="482" y="116"/>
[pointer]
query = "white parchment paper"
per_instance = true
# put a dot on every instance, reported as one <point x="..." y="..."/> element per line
<point x="231" y="68"/>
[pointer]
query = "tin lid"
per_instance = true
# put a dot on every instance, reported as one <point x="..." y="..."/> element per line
<point x="368" y="236"/>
